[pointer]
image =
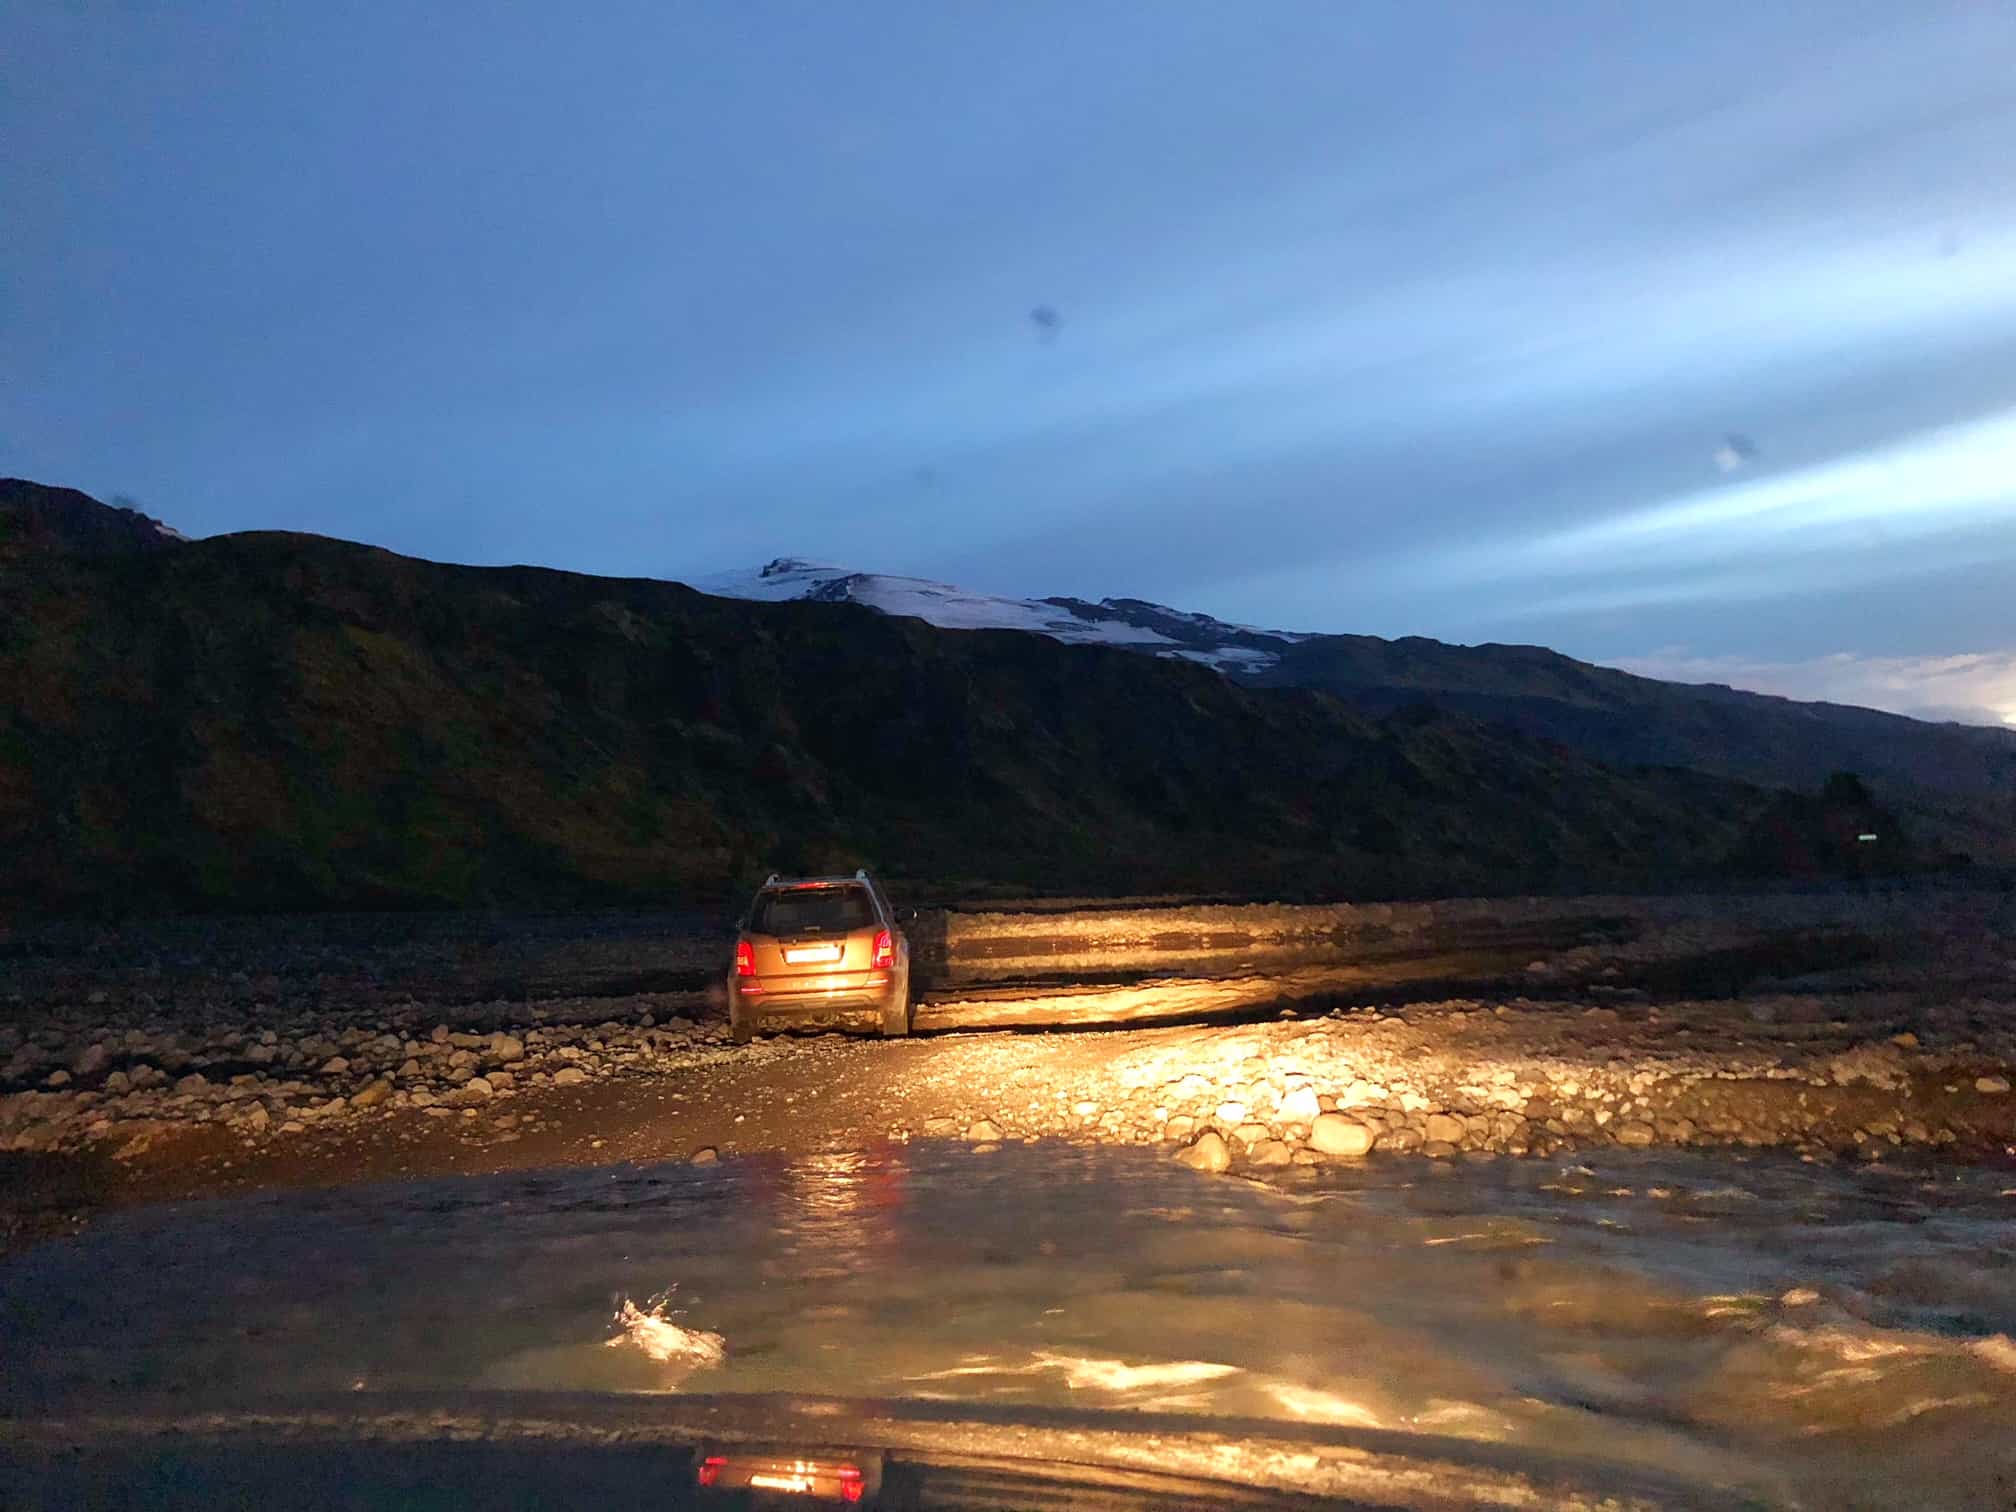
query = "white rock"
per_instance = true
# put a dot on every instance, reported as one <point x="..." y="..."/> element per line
<point x="1299" y="1105"/>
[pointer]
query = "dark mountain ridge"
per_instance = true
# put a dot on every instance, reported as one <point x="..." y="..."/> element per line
<point x="282" y="721"/>
<point x="1957" y="783"/>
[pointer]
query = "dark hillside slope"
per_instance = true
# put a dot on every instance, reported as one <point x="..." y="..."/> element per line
<point x="283" y="721"/>
<point x="1955" y="783"/>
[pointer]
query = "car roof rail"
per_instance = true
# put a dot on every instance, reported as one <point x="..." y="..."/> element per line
<point x="771" y="880"/>
<point x="861" y="873"/>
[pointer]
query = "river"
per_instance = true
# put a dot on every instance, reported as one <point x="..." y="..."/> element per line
<point x="1808" y="1333"/>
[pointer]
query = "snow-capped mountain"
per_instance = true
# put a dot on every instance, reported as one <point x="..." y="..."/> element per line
<point x="1129" y="623"/>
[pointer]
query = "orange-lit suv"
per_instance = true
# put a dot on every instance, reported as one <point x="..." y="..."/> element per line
<point x="814" y="946"/>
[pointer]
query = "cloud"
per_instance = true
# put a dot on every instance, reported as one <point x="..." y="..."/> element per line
<point x="1976" y="687"/>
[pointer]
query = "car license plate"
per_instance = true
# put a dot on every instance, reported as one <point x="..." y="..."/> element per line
<point x="806" y="953"/>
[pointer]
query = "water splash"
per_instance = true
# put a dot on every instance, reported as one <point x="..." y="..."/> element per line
<point x="651" y="1329"/>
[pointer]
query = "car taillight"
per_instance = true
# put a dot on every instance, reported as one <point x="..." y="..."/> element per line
<point x="745" y="959"/>
<point x="850" y="1484"/>
<point x="710" y="1468"/>
<point x="885" y="952"/>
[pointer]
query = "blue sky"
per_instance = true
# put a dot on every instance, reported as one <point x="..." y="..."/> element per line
<point x="1379" y="317"/>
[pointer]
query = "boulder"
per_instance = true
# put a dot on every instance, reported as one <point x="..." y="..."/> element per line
<point x="1443" y="1128"/>
<point x="1208" y="1153"/>
<point x="1334" y="1134"/>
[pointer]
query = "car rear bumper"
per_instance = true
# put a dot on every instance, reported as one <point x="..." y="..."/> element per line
<point x="811" y="1003"/>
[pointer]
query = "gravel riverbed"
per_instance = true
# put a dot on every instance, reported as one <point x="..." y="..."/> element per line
<point x="1870" y="1027"/>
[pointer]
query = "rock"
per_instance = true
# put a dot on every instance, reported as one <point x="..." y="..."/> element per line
<point x="118" y="1082"/>
<point x="255" y="1117"/>
<point x="408" y="1070"/>
<point x="440" y="1034"/>
<point x="1233" y="1112"/>
<point x="1270" y="1152"/>
<point x="1252" y="1133"/>
<point x="195" y="1081"/>
<point x="1440" y="1149"/>
<point x="91" y="1061"/>
<point x="506" y="1048"/>
<point x="1209" y="1153"/>
<point x="336" y="1065"/>
<point x="372" y="1094"/>
<point x="501" y="1081"/>
<point x="939" y="1127"/>
<point x="705" y="1155"/>
<point x="57" y="1078"/>
<point x="1443" y="1128"/>
<point x="1334" y="1134"/>
<point x="1992" y="1086"/>
<point x="1636" y="1135"/>
<point x="985" y="1128"/>
<point x="462" y="1057"/>
<point x="1085" y="1109"/>
<point x="475" y="1090"/>
<point x="1905" y="1041"/>
<point x="1299" y="1105"/>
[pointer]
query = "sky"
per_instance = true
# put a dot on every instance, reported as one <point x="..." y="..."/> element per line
<point x="1676" y="337"/>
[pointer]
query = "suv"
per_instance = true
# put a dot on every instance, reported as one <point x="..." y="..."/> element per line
<point x="813" y="946"/>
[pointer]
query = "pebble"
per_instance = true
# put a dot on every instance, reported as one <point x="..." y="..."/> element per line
<point x="1991" y="1085"/>
<point x="1636" y="1135"/>
<point x="705" y="1155"/>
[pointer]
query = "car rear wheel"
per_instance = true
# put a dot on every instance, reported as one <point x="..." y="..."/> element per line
<point x="896" y="1017"/>
<point x="741" y="1024"/>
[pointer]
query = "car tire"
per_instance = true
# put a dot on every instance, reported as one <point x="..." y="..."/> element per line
<point x="741" y="1025"/>
<point x="896" y="1017"/>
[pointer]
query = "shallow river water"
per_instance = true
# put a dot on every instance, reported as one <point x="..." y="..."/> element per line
<point x="1807" y="1333"/>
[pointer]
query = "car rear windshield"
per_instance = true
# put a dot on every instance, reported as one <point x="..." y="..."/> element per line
<point x="822" y="910"/>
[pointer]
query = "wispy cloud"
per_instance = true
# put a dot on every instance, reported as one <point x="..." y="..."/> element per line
<point x="1973" y="687"/>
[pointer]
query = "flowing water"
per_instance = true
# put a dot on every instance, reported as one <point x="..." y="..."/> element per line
<point x="1809" y="1333"/>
